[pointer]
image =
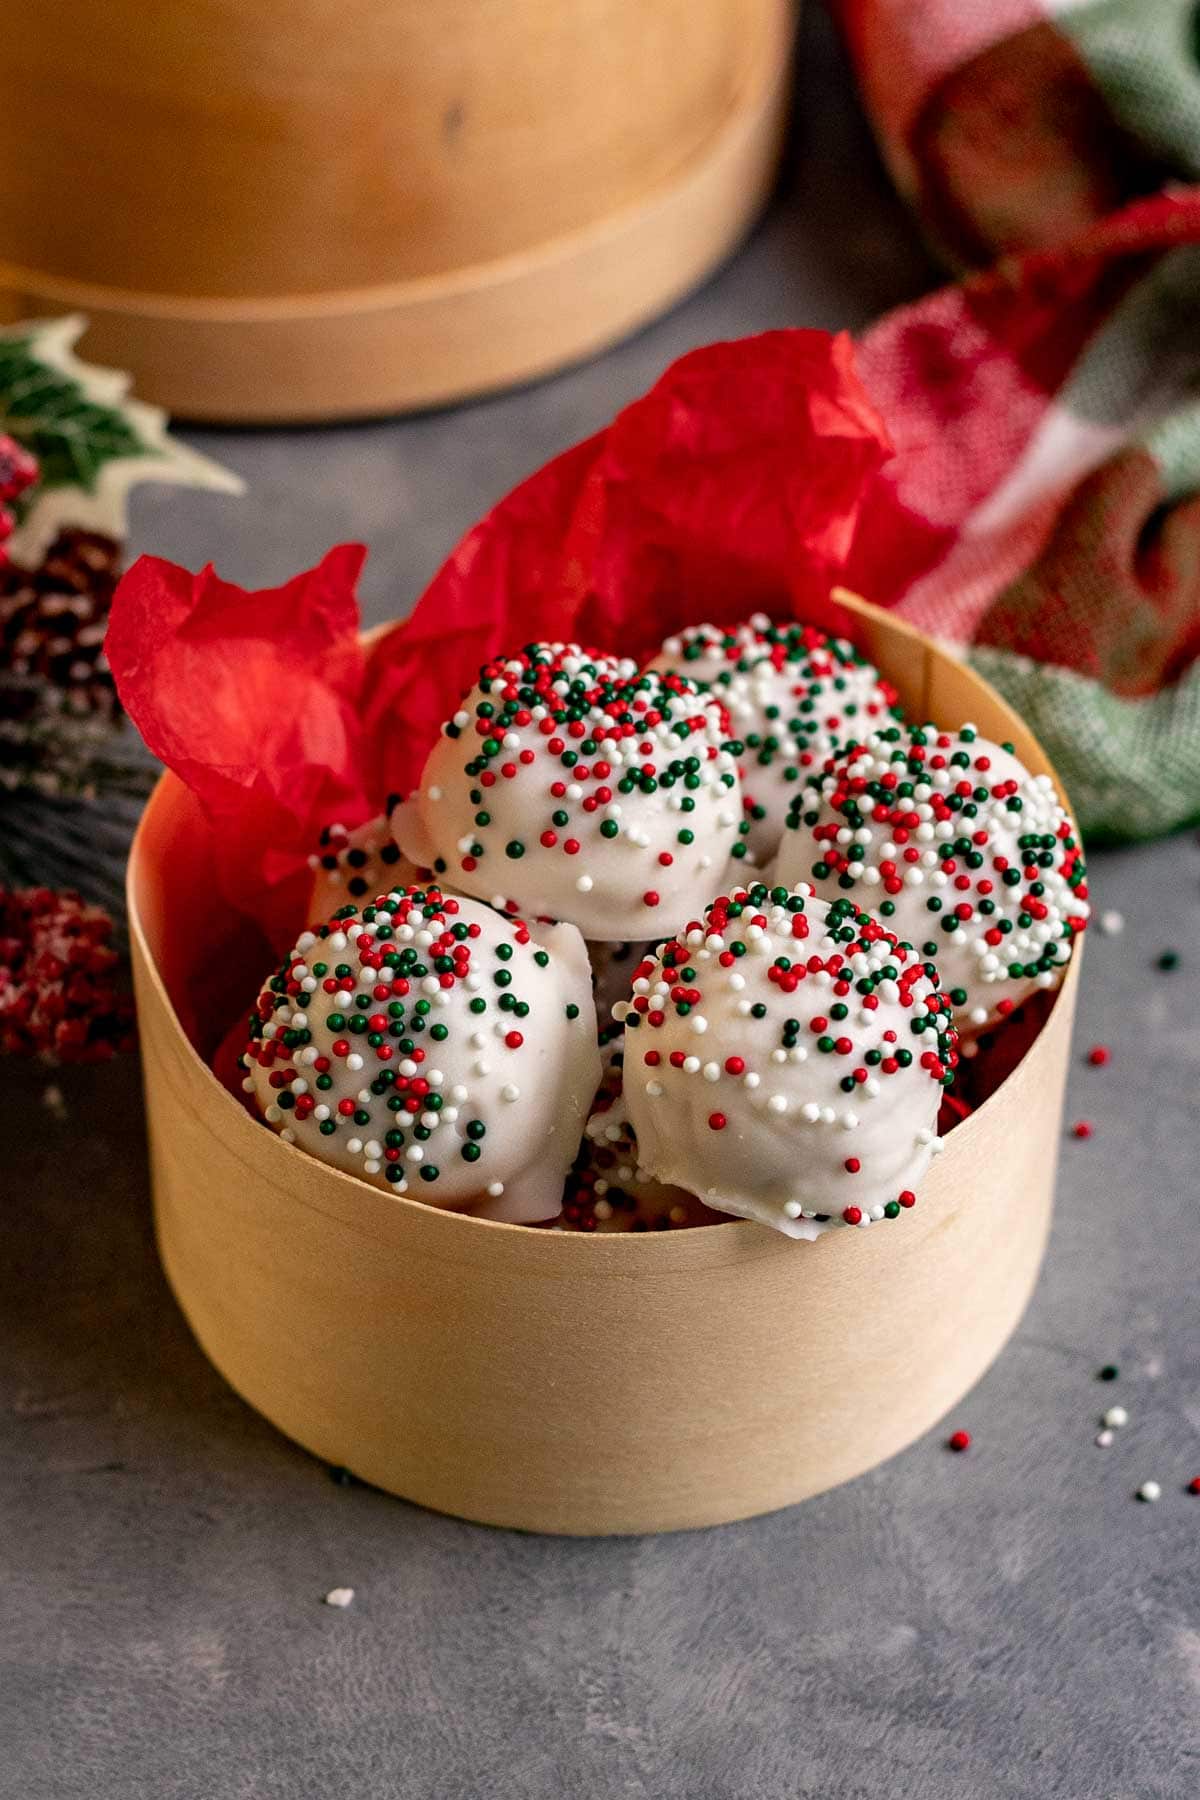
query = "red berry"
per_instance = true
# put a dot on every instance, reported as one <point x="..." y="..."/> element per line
<point x="18" y="469"/>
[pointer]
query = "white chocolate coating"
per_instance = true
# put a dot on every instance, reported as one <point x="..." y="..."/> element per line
<point x="568" y="786"/>
<point x="958" y="849"/>
<point x="785" y="1061"/>
<point x="351" y="868"/>
<point x="794" y="695"/>
<point x="433" y="1048"/>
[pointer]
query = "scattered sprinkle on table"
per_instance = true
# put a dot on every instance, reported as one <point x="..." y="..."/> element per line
<point x="1194" y="1485"/>
<point x="1149" y="1490"/>
<point x="1082" y="1128"/>
<point x="339" y="1597"/>
<point x="1115" y="1417"/>
<point x="959" y="1440"/>
<point x="1104" y="1439"/>
<point x="1109" y="1372"/>
<point x="1167" y="960"/>
<point x="1098" y="1055"/>
<point x="1112" y="922"/>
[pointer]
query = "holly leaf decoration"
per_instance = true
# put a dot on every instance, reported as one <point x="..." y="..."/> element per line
<point x="49" y="413"/>
<point x="92" y="439"/>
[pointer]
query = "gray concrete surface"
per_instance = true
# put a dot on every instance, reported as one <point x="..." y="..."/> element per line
<point x="1009" y="1623"/>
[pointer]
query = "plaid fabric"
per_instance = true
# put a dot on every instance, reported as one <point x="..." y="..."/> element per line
<point x="1042" y="509"/>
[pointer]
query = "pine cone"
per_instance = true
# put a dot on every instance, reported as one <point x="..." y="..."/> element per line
<point x="53" y="619"/>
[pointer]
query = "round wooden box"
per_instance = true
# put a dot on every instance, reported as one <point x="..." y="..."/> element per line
<point x="554" y="1381"/>
<point x="307" y="209"/>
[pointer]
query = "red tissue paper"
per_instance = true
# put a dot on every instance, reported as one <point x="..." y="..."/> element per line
<point x="252" y="699"/>
<point x="735" y="484"/>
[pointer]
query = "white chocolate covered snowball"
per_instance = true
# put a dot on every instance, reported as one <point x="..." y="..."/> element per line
<point x="794" y="695"/>
<point x="785" y="1060"/>
<point x="433" y="1048"/>
<point x="958" y="849"/>
<point x="569" y="786"/>
<point x="351" y="867"/>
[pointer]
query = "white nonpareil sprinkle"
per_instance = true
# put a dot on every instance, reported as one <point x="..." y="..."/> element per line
<point x="1104" y="1439"/>
<point x="1112" y="922"/>
<point x="342" y="1597"/>
<point x="1115" y="1417"/>
<point x="1149" y="1490"/>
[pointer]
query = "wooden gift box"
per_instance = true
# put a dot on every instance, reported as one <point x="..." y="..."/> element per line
<point x="556" y="1381"/>
<point x="308" y="209"/>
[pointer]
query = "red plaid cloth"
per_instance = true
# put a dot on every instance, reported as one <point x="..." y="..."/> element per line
<point x="1041" y="510"/>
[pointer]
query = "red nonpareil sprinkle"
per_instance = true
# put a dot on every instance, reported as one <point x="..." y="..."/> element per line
<point x="717" y="1121"/>
<point x="852" y="1215"/>
<point x="1082" y="1128"/>
<point x="1194" y="1485"/>
<point x="513" y="1039"/>
<point x="1098" y="1055"/>
<point x="959" y="1440"/>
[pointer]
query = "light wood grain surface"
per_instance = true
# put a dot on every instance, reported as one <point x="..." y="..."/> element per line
<point x="335" y="208"/>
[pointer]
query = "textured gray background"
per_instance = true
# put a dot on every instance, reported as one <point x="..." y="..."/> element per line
<point x="1007" y="1623"/>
